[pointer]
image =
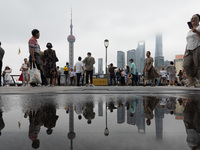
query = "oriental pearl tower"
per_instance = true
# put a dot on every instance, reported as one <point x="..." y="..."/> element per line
<point x="71" y="39"/>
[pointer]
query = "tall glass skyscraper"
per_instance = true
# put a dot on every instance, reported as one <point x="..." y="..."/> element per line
<point x="140" y="56"/>
<point x="120" y="59"/>
<point x="159" y="59"/>
<point x="131" y="54"/>
<point x="100" y="66"/>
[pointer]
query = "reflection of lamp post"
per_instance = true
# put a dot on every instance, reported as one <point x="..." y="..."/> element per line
<point x="71" y="134"/>
<point x="106" y="43"/>
<point x="106" y="131"/>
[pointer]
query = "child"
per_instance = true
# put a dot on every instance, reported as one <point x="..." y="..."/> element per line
<point x="71" y="73"/>
<point x="7" y="75"/>
<point x="172" y="73"/>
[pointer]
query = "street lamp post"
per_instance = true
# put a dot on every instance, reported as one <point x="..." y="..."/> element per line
<point x="106" y="43"/>
<point x="106" y="131"/>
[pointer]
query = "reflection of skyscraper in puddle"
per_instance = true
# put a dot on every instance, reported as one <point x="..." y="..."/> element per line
<point x="100" y="108"/>
<point x="159" y="115"/>
<point x="71" y="134"/>
<point x="179" y="111"/>
<point x="140" y="117"/>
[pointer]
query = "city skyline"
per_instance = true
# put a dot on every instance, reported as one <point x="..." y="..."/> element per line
<point x="122" y="26"/>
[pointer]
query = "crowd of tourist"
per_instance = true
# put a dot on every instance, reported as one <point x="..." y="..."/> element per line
<point x="50" y="74"/>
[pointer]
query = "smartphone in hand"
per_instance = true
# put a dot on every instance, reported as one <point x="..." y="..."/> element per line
<point x="190" y="25"/>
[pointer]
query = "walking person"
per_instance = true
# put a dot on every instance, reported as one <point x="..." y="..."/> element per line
<point x="123" y="77"/>
<point x="24" y="69"/>
<point x="191" y="61"/>
<point x="71" y="75"/>
<point x="118" y="75"/>
<point x="66" y="70"/>
<point x="149" y="71"/>
<point x="79" y="69"/>
<point x="34" y="50"/>
<point x="89" y="62"/>
<point x="2" y="52"/>
<point x="50" y="64"/>
<point x="171" y="69"/>
<point x="58" y="75"/>
<point x="7" y="71"/>
<point x="112" y="74"/>
<point x="133" y="71"/>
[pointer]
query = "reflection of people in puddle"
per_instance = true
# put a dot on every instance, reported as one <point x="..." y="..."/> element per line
<point x="131" y="105"/>
<point x="111" y="106"/>
<point x="88" y="112"/>
<point x="192" y="123"/>
<point x="50" y="118"/>
<point x="149" y="105"/>
<point x="2" y="124"/>
<point x="171" y="105"/>
<point x="34" y="127"/>
<point x="79" y="109"/>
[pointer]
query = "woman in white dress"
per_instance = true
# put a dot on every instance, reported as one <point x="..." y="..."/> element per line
<point x="7" y="71"/>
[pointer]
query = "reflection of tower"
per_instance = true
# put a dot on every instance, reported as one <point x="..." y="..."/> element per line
<point x="71" y="134"/>
<point x="159" y="115"/>
<point x="120" y="114"/>
<point x="71" y="39"/>
<point x="100" y="108"/>
<point x="140" y="117"/>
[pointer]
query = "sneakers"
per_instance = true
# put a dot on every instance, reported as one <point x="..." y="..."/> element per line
<point x="91" y="85"/>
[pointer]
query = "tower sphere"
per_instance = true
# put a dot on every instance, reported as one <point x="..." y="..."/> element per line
<point x="71" y="39"/>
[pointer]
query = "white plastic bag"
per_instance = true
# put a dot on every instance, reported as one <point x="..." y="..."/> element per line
<point x="35" y="76"/>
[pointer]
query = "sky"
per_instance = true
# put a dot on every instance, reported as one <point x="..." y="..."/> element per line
<point x="123" y="22"/>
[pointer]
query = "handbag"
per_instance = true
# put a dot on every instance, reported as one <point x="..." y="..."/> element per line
<point x="35" y="75"/>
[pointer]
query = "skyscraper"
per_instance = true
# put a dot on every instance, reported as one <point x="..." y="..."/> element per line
<point x="71" y="39"/>
<point x="120" y="59"/>
<point x="159" y="59"/>
<point x="131" y="54"/>
<point x="140" y="56"/>
<point x="100" y="66"/>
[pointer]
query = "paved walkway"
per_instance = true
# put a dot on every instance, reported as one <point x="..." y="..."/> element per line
<point x="99" y="90"/>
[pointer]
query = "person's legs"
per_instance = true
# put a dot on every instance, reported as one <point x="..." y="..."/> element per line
<point x="83" y="76"/>
<point x="87" y="74"/>
<point x="110" y="80"/>
<point x="58" y="80"/>
<point x="0" y="71"/>
<point x="114" y="78"/>
<point x="91" y="77"/>
<point x="78" y="78"/>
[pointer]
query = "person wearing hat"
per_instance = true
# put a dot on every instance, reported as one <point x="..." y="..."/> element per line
<point x="2" y="52"/>
<point x="133" y="71"/>
<point x="112" y="74"/>
<point x="50" y="60"/>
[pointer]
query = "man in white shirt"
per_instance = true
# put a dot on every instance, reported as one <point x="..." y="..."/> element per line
<point x="163" y="76"/>
<point x="78" y="69"/>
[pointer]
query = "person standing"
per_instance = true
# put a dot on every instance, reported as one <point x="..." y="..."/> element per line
<point x="2" y="52"/>
<point x="89" y="62"/>
<point x="112" y="74"/>
<point x="24" y="69"/>
<point x="50" y="64"/>
<point x="7" y="71"/>
<point x="71" y="75"/>
<point x="133" y="71"/>
<point x="172" y="73"/>
<point x="79" y="69"/>
<point x="58" y="75"/>
<point x="34" y="50"/>
<point x="66" y="70"/>
<point x="149" y="71"/>
<point x="163" y="76"/>
<point x="191" y="62"/>
<point x="180" y="74"/>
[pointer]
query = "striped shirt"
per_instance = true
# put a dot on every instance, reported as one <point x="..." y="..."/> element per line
<point x="32" y="43"/>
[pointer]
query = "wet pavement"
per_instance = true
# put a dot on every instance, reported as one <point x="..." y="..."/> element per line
<point x="99" y="121"/>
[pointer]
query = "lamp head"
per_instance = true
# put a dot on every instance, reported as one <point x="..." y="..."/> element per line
<point x="106" y="43"/>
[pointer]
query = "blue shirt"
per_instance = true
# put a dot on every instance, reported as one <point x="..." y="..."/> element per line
<point x="133" y="68"/>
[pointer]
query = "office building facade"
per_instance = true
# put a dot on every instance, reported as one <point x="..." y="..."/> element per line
<point x="120" y="59"/>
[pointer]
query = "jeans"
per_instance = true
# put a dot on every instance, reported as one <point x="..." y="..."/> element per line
<point x="134" y="80"/>
<point x="112" y="77"/>
<point x="89" y="73"/>
<point x="38" y="64"/>
<point x="1" y="64"/>
<point x="66" y="78"/>
<point x="25" y="77"/>
<point x="78" y="78"/>
<point x="82" y="80"/>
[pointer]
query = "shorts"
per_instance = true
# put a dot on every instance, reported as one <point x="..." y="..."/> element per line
<point x="191" y="63"/>
<point x="172" y="77"/>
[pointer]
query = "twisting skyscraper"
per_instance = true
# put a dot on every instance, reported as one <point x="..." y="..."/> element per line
<point x="71" y="39"/>
<point x="159" y="59"/>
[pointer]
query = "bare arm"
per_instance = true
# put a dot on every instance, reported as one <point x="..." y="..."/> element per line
<point x="185" y="51"/>
<point x="32" y="54"/>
